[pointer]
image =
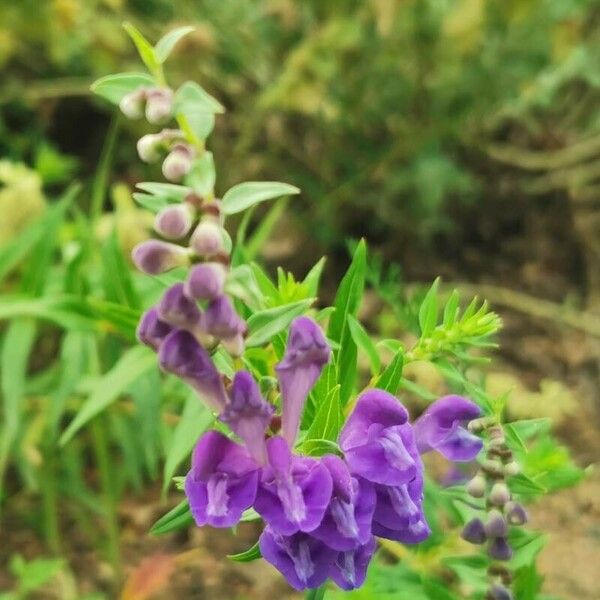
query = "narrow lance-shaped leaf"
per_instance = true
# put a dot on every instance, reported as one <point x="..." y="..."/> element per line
<point x="428" y="311"/>
<point x="363" y="341"/>
<point x="115" y="87"/>
<point x="265" y="324"/>
<point x="165" y="45"/>
<point x="144" y="48"/>
<point x="244" y="195"/>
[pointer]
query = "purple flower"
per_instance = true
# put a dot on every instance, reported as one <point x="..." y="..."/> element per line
<point x="306" y="353"/>
<point x="151" y="330"/>
<point x="221" y="320"/>
<point x="303" y="560"/>
<point x="178" y="310"/>
<point x="154" y="256"/>
<point x="374" y="441"/>
<point x="181" y="354"/>
<point x="222" y="482"/>
<point x="440" y="428"/>
<point x="350" y="567"/>
<point x="206" y="281"/>
<point x="294" y="491"/>
<point x="347" y="521"/>
<point x="248" y="414"/>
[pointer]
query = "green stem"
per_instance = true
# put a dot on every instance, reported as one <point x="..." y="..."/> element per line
<point x="100" y="183"/>
<point x="317" y="593"/>
<point x="49" y="500"/>
<point x="107" y="480"/>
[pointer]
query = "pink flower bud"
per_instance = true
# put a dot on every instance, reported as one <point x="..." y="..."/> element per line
<point x="178" y="162"/>
<point x="154" y="256"/>
<point x="132" y="104"/>
<point x="174" y="221"/>
<point x="159" y="105"/>
<point x="207" y="239"/>
<point x="148" y="147"/>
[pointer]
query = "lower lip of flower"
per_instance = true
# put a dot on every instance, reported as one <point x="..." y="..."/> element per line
<point x="218" y="498"/>
<point x="343" y="516"/>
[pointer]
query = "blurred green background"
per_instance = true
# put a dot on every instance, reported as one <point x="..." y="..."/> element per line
<point x="460" y="137"/>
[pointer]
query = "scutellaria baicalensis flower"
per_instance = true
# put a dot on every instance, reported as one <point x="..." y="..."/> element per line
<point x="222" y="482"/>
<point x="155" y="256"/>
<point x="151" y="330"/>
<point x="349" y="568"/>
<point x="206" y="281"/>
<point x="307" y="352"/>
<point x="441" y="428"/>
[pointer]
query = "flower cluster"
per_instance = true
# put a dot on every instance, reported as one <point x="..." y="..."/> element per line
<point x="321" y="515"/>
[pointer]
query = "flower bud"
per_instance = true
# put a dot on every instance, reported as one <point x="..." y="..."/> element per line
<point x="174" y="221"/>
<point x="512" y="468"/>
<point x="474" y="532"/>
<point x="499" y="549"/>
<point x="151" y="330"/>
<point x="178" y="162"/>
<point x="148" y="147"/>
<point x="476" y="487"/>
<point x="499" y="592"/>
<point x="499" y="494"/>
<point x="207" y="239"/>
<point x="495" y="525"/>
<point x="206" y="281"/>
<point x="132" y="104"/>
<point x="154" y="256"/>
<point x="159" y="105"/>
<point x="516" y="513"/>
<point x="177" y="309"/>
<point x="493" y="467"/>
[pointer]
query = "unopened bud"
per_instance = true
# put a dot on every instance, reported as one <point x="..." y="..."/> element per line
<point x="499" y="592"/>
<point x="206" y="281"/>
<point x="499" y="494"/>
<point x="495" y="525"/>
<point x="207" y="239"/>
<point x="474" y="532"/>
<point x="178" y="162"/>
<point x="174" y="221"/>
<point x="516" y="513"/>
<point x="149" y="146"/>
<point x="493" y="467"/>
<point x="159" y="105"/>
<point x="132" y="104"/>
<point x="476" y="487"/>
<point x="512" y="468"/>
<point x="154" y="256"/>
<point x="499" y="549"/>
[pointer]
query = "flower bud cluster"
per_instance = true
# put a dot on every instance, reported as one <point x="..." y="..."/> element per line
<point x="501" y="510"/>
<point x="153" y="102"/>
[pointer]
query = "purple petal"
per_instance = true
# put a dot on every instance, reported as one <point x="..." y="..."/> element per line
<point x="154" y="256"/>
<point x="206" y="281"/>
<point x="347" y="521"/>
<point x="181" y="354"/>
<point x="177" y="309"/>
<point x="306" y="353"/>
<point x="372" y="407"/>
<point x="304" y="561"/>
<point x="248" y="414"/>
<point x="221" y="320"/>
<point x="294" y="491"/>
<point x="350" y="568"/>
<point x="222" y="482"/>
<point x="440" y="428"/>
<point x="151" y="330"/>
<point x="412" y="534"/>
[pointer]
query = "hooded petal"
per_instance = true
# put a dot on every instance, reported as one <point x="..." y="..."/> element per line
<point x="294" y="491"/>
<point x="349" y="569"/>
<point x="248" y="414"/>
<point x="306" y="353"/>
<point x="177" y="309"/>
<point x="412" y="534"/>
<point x="441" y="428"/>
<point x="151" y="330"/>
<point x="181" y="354"/>
<point x="304" y="561"/>
<point x="222" y="482"/>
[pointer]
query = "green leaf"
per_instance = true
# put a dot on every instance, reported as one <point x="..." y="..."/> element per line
<point x="115" y="87"/>
<point x="525" y="486"/>
<point x="363" y="341"/>
<point x="195" y="420"/>
<point x="244" y="195"/>
<point x="134" y="363"/>
<point x="242" y="283"/>
<point x="319" y="447"/>
<point x="172" y="191"/>
<point x="165" y="45"/>
<point x="33" y="574"/>
<point x="329" y="418"/>
<point x="116" y="277"/>
<point x="392" y="375"/>
<point x="347" y="302"/>
<point x="152" y="203"/>
<point x="526" y="546"/>
<point x="451" y="309"/>
<point x="265" y="324"/>
<point x="428" y="312"/>
<point x="253" y="553"/>
<point x="177" y="518"/>
<point x="198" y="107"/>
<point x="313" y="277"/>
<point x="144" y="48"/>
<point x="316" y="594"/>
<point x="202" y="176"/>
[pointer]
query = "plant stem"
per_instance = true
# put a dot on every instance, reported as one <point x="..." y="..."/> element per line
<point x="100" y="183"/>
